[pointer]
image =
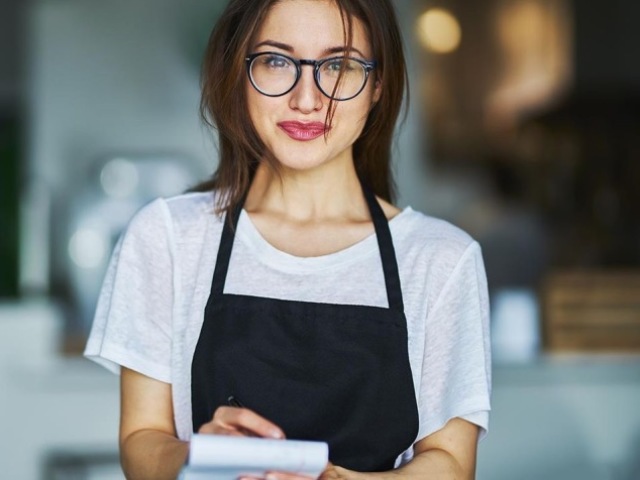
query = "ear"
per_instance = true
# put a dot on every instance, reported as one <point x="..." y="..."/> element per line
<point x="376" y="92"/>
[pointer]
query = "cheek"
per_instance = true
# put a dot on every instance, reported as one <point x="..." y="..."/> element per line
<point x="262" y="113"/>
<point x="358" y="113"/>
<point x="260" y="106"/>
<point x="358" y="109"/>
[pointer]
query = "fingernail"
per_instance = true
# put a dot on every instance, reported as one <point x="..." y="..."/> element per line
<point x="271" y="476"/>
<point x="276" y="434"/>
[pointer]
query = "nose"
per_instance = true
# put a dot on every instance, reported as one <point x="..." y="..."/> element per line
<point x="306" y="96"/>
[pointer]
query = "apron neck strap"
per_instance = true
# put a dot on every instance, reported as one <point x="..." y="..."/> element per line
<point x="226" y="245"/>
<point x="387" y="252"/>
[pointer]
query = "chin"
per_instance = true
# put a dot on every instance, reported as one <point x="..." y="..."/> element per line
<point x="301" y="165"/>
<point x="301" y="159"/>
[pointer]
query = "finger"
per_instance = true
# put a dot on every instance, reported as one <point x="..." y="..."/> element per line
<point x="243" y="419"/>
<point x="214" y="428"/>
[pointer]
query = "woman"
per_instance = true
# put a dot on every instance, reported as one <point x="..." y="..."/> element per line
<point x="325" y="310"/>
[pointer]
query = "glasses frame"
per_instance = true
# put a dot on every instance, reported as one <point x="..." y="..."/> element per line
<point x="316" y="64"/>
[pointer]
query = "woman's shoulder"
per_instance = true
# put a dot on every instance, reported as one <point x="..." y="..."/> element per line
<point x="426" y="230"/>
<point x="191" y="206"/>
<point x="428" y="244"/>
<point x="184" y="212"/>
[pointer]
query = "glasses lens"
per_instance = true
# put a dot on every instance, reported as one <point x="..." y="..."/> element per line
<point x="344" y="75"/>
<point x="272" y="74"/>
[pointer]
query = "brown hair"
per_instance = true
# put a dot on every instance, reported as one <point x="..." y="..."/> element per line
<point x="223" y="104"/>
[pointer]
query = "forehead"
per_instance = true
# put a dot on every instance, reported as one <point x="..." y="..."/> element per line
<point x="310" y="25"/>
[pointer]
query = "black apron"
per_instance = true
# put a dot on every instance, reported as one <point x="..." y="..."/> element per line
<point x="336" y="373"/>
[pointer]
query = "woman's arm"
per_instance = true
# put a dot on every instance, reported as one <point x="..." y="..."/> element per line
<point x="149" y="448"/>
<point x="448" y="454"/>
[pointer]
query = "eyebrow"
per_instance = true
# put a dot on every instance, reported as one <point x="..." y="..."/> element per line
<point x="289" y="48"/>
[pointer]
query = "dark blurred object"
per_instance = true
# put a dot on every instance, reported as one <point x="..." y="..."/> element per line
<point x="606" y="40"/>
<point x="12" y="151"/>
<point x="592" y="310"/>
<point x="9" y="207"/>
<point x="583" y="159"/>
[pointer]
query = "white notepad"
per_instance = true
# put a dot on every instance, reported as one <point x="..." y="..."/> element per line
<point x="221" y="457"/>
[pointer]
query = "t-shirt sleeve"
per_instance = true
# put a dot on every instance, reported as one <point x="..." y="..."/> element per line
<point x="132" y="324"/>
<point x="456" y="373"/>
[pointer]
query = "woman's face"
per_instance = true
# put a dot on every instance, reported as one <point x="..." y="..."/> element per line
<point x="292" y="126"/>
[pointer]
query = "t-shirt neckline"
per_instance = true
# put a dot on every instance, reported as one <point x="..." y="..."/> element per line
<point x="266" y="253"/>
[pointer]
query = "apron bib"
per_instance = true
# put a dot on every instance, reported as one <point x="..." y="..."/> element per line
<point x="335" y="373"/>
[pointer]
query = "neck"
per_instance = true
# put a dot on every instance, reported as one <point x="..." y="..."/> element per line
<point x="308" y="195"/>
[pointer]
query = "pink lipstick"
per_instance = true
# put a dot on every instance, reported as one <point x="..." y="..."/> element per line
<point x="302" y="131"/>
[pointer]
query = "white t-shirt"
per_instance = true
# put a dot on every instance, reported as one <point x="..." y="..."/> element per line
<point x="151" y="307"/>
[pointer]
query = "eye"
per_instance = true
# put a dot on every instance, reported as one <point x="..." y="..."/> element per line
<point x="276" y="62"/>
<point x="334" y="66"/>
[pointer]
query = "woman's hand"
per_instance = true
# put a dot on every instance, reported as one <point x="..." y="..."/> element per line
<point x="241" y="422"/>
<point x="330" y="473"/>
<point x="333" y="473"/>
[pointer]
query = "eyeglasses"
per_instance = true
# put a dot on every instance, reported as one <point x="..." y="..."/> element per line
<point x="339" y="78"/>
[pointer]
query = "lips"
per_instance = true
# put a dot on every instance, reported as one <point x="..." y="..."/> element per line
<point x="303" y="131"/>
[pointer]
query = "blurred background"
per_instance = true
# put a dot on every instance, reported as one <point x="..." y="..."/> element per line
<point x="523" y="129"/>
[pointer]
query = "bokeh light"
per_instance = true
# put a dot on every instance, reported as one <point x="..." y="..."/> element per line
<point x="439" y="31"/>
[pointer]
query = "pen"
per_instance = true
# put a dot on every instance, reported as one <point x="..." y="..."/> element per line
<point x="234" y="402"/>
